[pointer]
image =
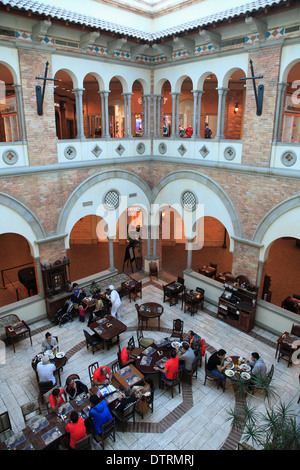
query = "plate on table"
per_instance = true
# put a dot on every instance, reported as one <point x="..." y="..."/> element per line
<point x="60" y="355"/>
<point x="229" y="365"/>
<point x="245" y="367"/>
<point x="245" y="375"/>
<point x="176" y="344"/>
<point x="229" y="373"/>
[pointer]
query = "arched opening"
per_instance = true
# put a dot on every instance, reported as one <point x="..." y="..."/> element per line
<point x="92" y="115"/>
<point x="9" y="120"/>
<point x="283" y="269"/>
<point x="290" y="131"/>
<point x="186" y="109"/>
<point x="137" y="111"/>
<point x="18" y="269"/>
<point x="235" y="106"/>
<point x="166" y="109"/>
<point x="65" y="106"/>
<point x="209" y="106"/>
<point x="116" y="109"/>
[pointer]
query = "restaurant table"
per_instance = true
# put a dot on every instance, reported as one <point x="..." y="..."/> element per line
<point x="287" y="344"/>
<point x="131" y="287"/>
<point x="172" y="291"/>
<point x="108" y="328"/>
<point x="16" y="330"/>
<point x="237" y="369"/>
<point x="149" y="310"/>
<point x="292" y="304"/>
<point x="34" y="437"/>
<point x="127" y="376"/>
<point x="208" y="271"/>
<point x="110" y="398"/>
<point x="152" y="356"/>
<point x="192" y="299"/>
<point x="59" y="362"/>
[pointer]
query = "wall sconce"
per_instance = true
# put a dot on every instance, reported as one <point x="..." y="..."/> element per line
<point x="236" y="108"/>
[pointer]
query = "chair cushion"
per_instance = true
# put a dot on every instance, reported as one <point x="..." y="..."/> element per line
<point x="145" y="342"/>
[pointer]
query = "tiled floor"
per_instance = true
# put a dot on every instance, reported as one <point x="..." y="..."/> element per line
<point x="195" y="419"/>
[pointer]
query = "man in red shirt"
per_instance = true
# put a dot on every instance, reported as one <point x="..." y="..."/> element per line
<point x="125" y="356"/>
<point x="57" y="398"/>
<point x="102" y="376"/>
<point x="76" y="429"/>
<point x="171" y="366"/>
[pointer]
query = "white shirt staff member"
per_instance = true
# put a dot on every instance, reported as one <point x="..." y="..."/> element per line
<point x="116" y="307"/>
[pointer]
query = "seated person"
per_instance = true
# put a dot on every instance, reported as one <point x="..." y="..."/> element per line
<point x="257" y="364"/>
<point x="99" y="413"/>
<point x="57" y="398"/>
<point x="46" y="370"/>
<point x="125" y="356"/>
<point x="126" y="401"/>
<point x="186" y="355"/>
<point x="171" y="366"/>
<point x="94" y="289"/>
<point x="194" y="342"/>
<point x="102" y="376"/>
<point x="75" y="387"/>
<point x="145" y="389"/>
<point x="215" y="365"/>
<point x="49" y="343"/>
<point x="97" y="310"/>
<point x="76" y="429"/>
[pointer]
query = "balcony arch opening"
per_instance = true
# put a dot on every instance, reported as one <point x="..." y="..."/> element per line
<point x="9" y="117"/>
<point x="65" y="106"/>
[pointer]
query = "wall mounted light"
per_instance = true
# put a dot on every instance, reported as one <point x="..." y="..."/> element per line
<point x="236" y="108"/>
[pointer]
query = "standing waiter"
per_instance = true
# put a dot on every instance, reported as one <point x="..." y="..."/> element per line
<point x="116" y="307"/>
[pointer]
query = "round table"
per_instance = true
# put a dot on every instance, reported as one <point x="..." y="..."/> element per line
<point x="149" y="310"/>
<point x="59" y="362"/>
<point x="235" y="360"/>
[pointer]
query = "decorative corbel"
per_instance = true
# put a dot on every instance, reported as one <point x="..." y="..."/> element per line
<point x="258" y="27"/>
<point x="137" y="50"/>
<point x="212" y="38"/>
<point x="88" y="39"/>
<point x="163" y="49"/>
<point x="115" y="45"/>
<point x="185" y="43"/>
<point x="39" y="30"/>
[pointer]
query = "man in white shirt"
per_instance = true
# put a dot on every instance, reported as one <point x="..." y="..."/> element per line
<point x="116" y="307"/>
<point x="45" y="371"/>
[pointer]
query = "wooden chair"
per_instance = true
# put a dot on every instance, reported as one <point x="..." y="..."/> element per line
<point x="295" y="330"/>
<point x="137" y="292"/>
<point x="201" y="292"/>
<point x="153" y="270"/>
<point x="91" y="369"/>
<point x="108" y="429"/>
<point x="285" y="352"/>
<point x="5" y="426"/>
<point x="143" y="342"/>
<point x="269" y="377"/>
<point x="29" y="409"/>
<point x="180" y="280"/>
<point x="212" y="377"/>
<point x="194" y="371"/>
<point x="44" y="387"/>
<point x="85" y="443"/>
<point x="171" y="384"/>
<point x="115" y="366"/>
<point x="148" y="401"/>
<point x="135" y="351"/>
<point x="94" y="341"/>
<point x="131" y="342"/>
<point x="191" y="304"/>
<point x="213" y="275"/>
<point x="177" y="331"/>
<point x="126" y="415"/>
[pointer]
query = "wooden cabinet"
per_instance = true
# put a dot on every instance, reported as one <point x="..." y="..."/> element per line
<point x="237" y="307"/>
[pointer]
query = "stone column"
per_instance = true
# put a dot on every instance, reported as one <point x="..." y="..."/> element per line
<point x="149" y="114"/>
<point x="158" y="114"/>
<point x="189" y="254"/>
<point x="177" y="115"/>
<point x="105" y="94"/>
<point x="129" y="95"/>
<point x="103" y="127"/>
<point x="221" y="113"/>
<point x="200" y="93"/>
<point x="281" y="87"/>
<point x="18" y="89"/>
<point x="195" y="94"/>
<point x="174" y="98"/>
<point x="125" y="115"/>
<point x="155" y="115"/>
<point x="111" y="253"/>
<point x="79" y="112"/>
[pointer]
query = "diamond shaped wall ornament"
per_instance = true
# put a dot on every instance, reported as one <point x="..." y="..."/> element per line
<point x="70" y="152"/>
<point x="111" y="199"/>
<point x="188" y="200"/>
<point x="97" y="151"/>
<point x="204" y="151"/>
<point x="120" y="149"/>
<point x="288" y="158"/>
<point x="229" y="153"/>
<point x="162" y="148"/>
<point x="181" y="149"/>
<point x="10" y="157"/>
<point x="140" y="148"/>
